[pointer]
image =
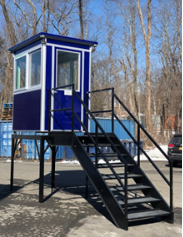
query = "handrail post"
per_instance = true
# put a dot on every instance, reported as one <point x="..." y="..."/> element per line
<point x="138" y="143"/>
<point x="112" y="105"/>
<point x="72" y="107"/>
<point x="86" y="114"/>
<point x="126" y="192"/>
<point x="49" y="112"/>
<point x="171" y="185"/>
<point x="96" y="142"/>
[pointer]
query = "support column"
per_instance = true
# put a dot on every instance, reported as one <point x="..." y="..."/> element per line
<point x="53" y="156"/>
<point x="86" y="187"/>
<point x="12" y="163"/>
<point x="41" y="170"/>
<point x="86" y="181"/>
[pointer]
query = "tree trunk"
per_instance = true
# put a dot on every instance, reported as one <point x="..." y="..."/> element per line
<point x="8" y="23"/>
<point x="147" y="38"/>
<point x="80" y="3"/>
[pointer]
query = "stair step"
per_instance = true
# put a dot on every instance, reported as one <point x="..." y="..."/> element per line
<point x="139" y="200"/>
<point x="147" y="214"/>
<point x="132" y="187"/>
<point x="106" y="154"/>
<point x="114" y="165"/>
<point x="100" y="145"/>
<point x="121" y="176"/>
<point x="99" y="134"/>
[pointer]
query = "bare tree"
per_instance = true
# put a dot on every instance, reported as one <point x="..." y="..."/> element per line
<point x="128" y="61"/>
<point x="46" y="19"/>
<point x="9" y="23"/>
<point x="147" y="37"/>
<point x="169" y="41"/>
<point x="6" y="94"/>
<point x="32" y="19"/>
<point x="80" y="7"/>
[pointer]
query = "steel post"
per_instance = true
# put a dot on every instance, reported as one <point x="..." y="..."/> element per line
<point x="41" y="170"/>
<point x="112" y="101"/>
<point x="86" y="187"/>
<point x="12" y="163"/>
<point x="53" y="155"/>
<point x="138" y="142"/>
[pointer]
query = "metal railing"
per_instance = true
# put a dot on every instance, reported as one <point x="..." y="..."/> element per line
<point x="99" y="127"/>
<point x="98" y="151"/>
<point x="52" y="92"/>
<point x="137" y="141"/>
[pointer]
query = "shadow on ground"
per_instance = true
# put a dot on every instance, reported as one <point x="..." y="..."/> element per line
<point x="5" y="190"/>
<point x="73" y="182"/>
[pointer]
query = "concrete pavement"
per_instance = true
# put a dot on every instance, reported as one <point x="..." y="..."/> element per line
<point x="66" y="212"/>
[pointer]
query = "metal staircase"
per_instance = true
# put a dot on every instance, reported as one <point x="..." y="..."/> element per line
<point x="124" y="188"/>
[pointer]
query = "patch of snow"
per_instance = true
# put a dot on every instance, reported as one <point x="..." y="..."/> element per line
<point x="155" y="154"/>
<point x="9" y="161"/>
<point x="111" y="161"/>
<point x="68" y="162"/>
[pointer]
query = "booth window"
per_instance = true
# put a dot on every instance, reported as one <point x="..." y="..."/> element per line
<point x="67" y="69"/>
<point x="35" y="68"/>
<point x="20" y="73"/>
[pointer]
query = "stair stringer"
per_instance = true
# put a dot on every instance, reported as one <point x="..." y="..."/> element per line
<point x="111" y="204"/>
<point x="145" y="180"/>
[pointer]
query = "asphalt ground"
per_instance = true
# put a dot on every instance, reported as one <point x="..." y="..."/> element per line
<point x="65" y="212"/>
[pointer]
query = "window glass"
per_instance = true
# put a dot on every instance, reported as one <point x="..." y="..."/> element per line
<point x="176" y="140"/>
<point x="20" y="72"/>
<point x="35" y="72"/>
<point x="67" y="69"/>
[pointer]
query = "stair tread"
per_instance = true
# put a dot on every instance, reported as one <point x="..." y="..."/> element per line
<point x="139" y="200"/>
<point x="99" y="135"/>
<point x="99" y="144"/>
<point x="106" y="154"/>
<point x="146" y="214"/>
<point x="113" y="165"/>
<point x="131" y="187"/>
<point x="112" y="176"/>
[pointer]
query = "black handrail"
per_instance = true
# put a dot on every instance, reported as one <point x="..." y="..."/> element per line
<point x="106" y="89"/>
<point x="137" y="142"/>
<point x="62" y="87"/>
<point x="141" y="149"/>
<point x="137" y="122"/>
<point x="170" y="183"/>
<point x="56" y="110"/>
<point x="112" y="105"/>
<point x="94" y="142"/>
<point x="113" y="147"/>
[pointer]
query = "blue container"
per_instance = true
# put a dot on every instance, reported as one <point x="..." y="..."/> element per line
<point x="60" y="151"/>
<point x="118" y="129"/>
<point x="29" y="146"/>
<point x="5" y="138"/>
<point x="8" y="105"/>
<point x="68" y="153"/>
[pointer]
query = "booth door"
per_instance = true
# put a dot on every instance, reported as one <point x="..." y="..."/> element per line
<point x="67" y="73"/>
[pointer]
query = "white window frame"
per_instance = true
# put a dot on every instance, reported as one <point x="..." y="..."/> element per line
<point x="79" y="64"/>
<point x="29" y="68"/>
<point x="27" y="53"/>
<point x="15" y="76"/>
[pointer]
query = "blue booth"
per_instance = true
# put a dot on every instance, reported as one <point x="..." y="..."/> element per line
<point x="45" y="68"/>
<point x="51" y="97"/>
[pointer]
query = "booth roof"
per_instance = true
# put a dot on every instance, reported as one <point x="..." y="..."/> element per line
<point x="43" y="35"/>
